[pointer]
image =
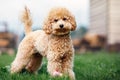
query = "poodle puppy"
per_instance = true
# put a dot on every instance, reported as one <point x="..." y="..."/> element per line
<point x="53" y="42"/>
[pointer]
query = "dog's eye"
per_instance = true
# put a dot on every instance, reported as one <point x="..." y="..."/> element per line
<point x="55" y="20"/>
<point x="64" y="19"/>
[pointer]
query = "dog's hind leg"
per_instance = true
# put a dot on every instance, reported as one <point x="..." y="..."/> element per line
<point x="20" y="62"/>
<point x="23" y="56"/>
<point x="34" y="63"/>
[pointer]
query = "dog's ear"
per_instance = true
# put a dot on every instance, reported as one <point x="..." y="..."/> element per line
<point x="47" y="27"/>
<point x="73" y="22"/>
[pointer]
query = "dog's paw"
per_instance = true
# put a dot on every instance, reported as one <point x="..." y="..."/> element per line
<point x="56" y="73"/>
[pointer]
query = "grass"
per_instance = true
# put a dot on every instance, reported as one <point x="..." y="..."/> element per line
<point x="97" y="66"/>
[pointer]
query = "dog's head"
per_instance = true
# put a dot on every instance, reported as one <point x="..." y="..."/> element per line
<point x="59" y="22"/>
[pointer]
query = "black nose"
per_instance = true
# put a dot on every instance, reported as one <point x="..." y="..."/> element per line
<point x="61" y="25"/>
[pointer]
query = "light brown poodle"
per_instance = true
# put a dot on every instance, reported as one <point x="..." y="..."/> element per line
<point x="53" y="41"/>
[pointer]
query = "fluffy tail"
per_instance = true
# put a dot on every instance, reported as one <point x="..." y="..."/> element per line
<point x="27" y="20"/>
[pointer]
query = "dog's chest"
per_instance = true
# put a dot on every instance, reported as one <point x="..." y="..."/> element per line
<point x="60" y="49"/>
<point x="60" y="45"/>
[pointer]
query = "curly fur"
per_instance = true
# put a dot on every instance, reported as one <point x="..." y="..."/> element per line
<point x="27" y="20"/>
<point x="53" y="41"/>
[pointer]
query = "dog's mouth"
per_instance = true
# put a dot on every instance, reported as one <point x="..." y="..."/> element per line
<point x="62" y="30"/>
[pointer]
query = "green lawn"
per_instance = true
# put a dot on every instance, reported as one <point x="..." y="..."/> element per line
<point x="97" y="66"/>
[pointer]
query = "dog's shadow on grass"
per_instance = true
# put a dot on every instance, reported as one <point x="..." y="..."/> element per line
<point x="43" y="69"/>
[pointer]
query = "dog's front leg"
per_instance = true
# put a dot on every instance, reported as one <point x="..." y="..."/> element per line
<point x="54" y="68"/>
<point x="67" y="67"/>
<point x="71" y="74"/>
